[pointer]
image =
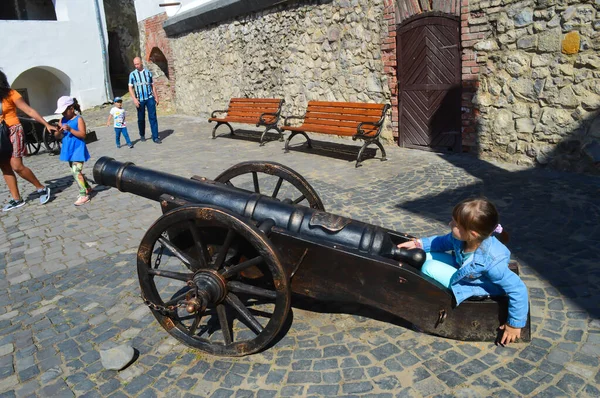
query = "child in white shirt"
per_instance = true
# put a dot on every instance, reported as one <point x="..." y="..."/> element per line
<point x="117" y="113"/>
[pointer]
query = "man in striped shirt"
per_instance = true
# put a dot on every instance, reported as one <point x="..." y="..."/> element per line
<point x="143" y="92"/>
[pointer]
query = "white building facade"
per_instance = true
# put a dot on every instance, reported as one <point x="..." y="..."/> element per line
<point x="47" y="58"/>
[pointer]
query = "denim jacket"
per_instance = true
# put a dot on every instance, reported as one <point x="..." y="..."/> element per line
<point x="486" y="272"/>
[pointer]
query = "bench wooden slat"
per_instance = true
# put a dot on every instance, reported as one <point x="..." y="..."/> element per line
<point x="247" y="111"/>
<point x="247" y="120"/>
<point x="255" y="100"/>
<point x="251" y="118"/>
<point x="351" y="105"/>
<point x="316" y="128"/>
<point x="355" y="119"/>
<point x="332" y="123"/>
<point x="345" y="111"/>
<point x="235" y="120"/>
<point x="254" y="107"/>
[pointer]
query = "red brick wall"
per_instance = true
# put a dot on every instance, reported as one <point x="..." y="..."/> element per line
<point x="472" y="31"/>
<point x="155" y="36"/>
<point x="388" y="51"/>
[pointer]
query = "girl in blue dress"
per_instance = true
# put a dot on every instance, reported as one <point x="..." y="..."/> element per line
<point x="73" y="149"/>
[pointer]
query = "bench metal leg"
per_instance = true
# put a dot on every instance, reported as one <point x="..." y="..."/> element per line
<point x="365" y="145"/>
<point x="217" y="126"/>
<point x="362" y="149"/>
<point x="280" y="131"/>
<point x="380" y="145"/>
<point x="287" y="142"/>
<point x="262" y="137"/>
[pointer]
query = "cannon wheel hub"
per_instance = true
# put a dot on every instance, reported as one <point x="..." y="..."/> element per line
<point x="211" y="286"/>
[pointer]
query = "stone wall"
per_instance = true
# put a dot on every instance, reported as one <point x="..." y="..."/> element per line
<point x="301" y="51"/>
<point x="538" y="100"/>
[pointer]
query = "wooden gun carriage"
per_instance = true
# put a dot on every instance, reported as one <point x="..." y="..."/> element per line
<point x="219" y="267"/>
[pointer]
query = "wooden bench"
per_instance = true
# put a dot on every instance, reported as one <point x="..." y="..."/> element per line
<point x="358" y="120"/>
<point x="258" y="111"/>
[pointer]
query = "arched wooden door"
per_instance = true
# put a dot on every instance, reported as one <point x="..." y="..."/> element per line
<point x="429" y="82"/>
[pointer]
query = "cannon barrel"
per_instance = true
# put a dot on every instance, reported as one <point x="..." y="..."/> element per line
<point x="310" y="223"/>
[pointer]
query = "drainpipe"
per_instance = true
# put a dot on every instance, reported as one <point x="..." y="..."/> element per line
<point x="104" y="55"/>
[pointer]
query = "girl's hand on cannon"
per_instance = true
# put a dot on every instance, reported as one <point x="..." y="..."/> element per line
<point x="510" y="334"/>
<point x="411" y="244"/>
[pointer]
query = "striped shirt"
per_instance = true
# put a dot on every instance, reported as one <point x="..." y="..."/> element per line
<point x="141" y="83"/>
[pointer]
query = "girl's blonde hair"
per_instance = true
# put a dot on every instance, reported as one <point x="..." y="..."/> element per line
<point x="478" y="215"/>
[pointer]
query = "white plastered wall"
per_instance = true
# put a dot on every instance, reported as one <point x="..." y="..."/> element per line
<point x="70" y="48"/>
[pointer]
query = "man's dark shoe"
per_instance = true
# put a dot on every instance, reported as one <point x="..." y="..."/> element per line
<point x="142" y="138"/>
<point x="157" y="141"/>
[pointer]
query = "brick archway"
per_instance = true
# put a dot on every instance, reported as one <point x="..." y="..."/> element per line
<point x="158" y="54"/>
<point x="158" y="58"/>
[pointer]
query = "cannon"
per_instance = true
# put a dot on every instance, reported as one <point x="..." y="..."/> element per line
<point x="219" y="268"/>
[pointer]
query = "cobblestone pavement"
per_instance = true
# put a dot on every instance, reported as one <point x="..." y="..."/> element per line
<point x="70" y="285"/>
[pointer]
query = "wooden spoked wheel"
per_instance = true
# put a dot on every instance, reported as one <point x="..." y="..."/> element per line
<point x="213" y="280"/>
<point x="32" y="140"/>
<point x="274" y="180"/>
<point x="51" y="143"/>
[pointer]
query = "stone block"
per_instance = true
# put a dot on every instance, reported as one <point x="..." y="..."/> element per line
<point x="523" y="88"/>
<point x="524" y="125"/>
<point x="517" y="64"/>
<point x="589" y="61"/>
<point x="528" y="42"/>
<point x="571" y="43"/>
<point x="524" y="17"/>
<point x="486" y="45"/>
<point x="549" y="42"/>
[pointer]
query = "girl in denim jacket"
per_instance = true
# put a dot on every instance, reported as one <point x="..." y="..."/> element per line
<point x="478" y="265"/>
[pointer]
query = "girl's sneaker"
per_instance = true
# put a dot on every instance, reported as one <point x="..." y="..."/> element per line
<point x="13" y="204"/>
<point x="82" y="200"/>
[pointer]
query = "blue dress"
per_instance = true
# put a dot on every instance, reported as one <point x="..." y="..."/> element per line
<point x="73" y="149"/>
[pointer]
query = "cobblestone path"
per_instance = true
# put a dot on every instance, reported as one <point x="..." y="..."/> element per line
<point x="70" y="286"/>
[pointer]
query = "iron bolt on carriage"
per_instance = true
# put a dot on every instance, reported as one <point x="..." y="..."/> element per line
<point x="219" y="267"/>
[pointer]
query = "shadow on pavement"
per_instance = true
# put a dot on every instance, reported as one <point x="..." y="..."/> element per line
<point x="164" y="134"/>
<point x="249" y="135"/>
<point x="56" y="185"/>
<point x="553" y="218"/>
<point x="333" y="150"/>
